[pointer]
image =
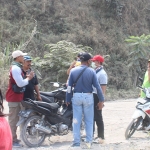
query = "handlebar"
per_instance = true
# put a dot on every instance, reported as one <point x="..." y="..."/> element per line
<point x="143" y="89"/>
<point x="141" y="79"/>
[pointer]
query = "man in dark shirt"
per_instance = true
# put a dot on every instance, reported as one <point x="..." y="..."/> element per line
<point x="33" y="83"/>
<point x="82" y="100"/>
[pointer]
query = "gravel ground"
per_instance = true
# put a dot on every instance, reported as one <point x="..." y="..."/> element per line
<point x="117" y="116"/>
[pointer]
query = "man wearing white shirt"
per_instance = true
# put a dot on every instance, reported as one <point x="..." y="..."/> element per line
<point x="15" y="91"/>
<point x="102" y="80"/>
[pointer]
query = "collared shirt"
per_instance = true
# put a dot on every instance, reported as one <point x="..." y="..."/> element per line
<point x="84" y="83"/>
<point x="102" y="77"/>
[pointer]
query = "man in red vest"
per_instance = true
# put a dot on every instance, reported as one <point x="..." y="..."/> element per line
<point x="15" y="91"/>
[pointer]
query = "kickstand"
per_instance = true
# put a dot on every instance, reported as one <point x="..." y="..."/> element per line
<point x="51" y="142"/>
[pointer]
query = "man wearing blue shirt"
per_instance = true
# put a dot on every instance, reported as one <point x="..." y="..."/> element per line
<point x="82" y="100"/>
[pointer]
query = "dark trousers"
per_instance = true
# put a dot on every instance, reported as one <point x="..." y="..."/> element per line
<point x="98" y="118"/>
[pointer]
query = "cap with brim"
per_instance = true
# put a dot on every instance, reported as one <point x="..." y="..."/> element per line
<point x="27" y="58"/>
<point x="85" y="57"/>
<point x="149" y="60"/>
<point x="98" y="58"/>
<point x="18" y="53"/>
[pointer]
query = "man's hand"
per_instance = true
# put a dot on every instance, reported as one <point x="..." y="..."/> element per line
<point x="100" y="105"/>
<point x="67" y="103"/>
<point x="39" y="98"/>
<point x="30" y="75"/>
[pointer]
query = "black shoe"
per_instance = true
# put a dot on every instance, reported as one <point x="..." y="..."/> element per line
<point x="18" y="141"/>
<point x="17" y="145"/>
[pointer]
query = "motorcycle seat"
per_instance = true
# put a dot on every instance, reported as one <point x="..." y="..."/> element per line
<point x="47" y="99"/>
<point x="48" y="105"/>
<point x="47" y="93"/>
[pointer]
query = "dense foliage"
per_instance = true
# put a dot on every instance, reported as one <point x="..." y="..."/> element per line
<point x="102" y="25"/>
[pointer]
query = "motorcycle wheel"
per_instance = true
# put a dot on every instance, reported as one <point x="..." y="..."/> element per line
<point x="30" y="135"/>
<point x="132" y="127"/>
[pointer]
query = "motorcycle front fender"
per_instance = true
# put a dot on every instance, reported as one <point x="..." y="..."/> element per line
<point x="138" y="113"/>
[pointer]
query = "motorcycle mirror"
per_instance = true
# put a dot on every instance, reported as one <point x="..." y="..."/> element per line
<point x="141" y="80"/>
<point x="55" y="84"/>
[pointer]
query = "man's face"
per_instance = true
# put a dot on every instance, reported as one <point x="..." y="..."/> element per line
<point x="97" y="63"/>
<point x="89" y="62"/>
<point x="27" y="64"/>
<point x="20" y="59"/>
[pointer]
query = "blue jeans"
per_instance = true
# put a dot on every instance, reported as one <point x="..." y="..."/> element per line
<point x="82" y="104"/>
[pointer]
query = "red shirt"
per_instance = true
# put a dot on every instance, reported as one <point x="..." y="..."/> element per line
<point x="5" y="135"/>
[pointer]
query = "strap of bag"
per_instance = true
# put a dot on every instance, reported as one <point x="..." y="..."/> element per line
<point x="98" y="70"/>
<point x="79" y="76"/>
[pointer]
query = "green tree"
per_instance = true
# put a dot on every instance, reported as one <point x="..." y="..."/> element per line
<point x="139" y="50"/>
<point x="138" y="55"/>
<point x="57" y="59"/>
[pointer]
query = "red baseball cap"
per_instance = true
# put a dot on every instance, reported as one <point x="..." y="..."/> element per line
<point x="98" y="58"/>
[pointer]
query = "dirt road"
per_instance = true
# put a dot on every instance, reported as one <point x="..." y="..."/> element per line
<point x="117" y="116"/>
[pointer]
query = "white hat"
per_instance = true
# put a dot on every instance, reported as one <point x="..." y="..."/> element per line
<point x="18" y="53"/>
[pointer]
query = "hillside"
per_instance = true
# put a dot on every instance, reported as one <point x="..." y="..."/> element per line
<point x="102" y="25"/>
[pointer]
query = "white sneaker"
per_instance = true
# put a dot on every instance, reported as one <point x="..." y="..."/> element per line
<point x="98" y="140"/>
<point x="87" y="145"/>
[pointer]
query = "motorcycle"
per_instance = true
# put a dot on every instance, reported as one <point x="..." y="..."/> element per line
<point x="58" y="95"/>
<point x="141" y="116"/>
<point x="40" y="119"/>
<point x="49" y="117"/>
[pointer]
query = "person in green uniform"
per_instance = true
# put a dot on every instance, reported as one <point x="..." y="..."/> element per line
<point x="146" y="82"/>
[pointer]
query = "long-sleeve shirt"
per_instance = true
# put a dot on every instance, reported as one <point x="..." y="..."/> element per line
<point x="84" y="83"/>
<point x="17" y="76"/>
